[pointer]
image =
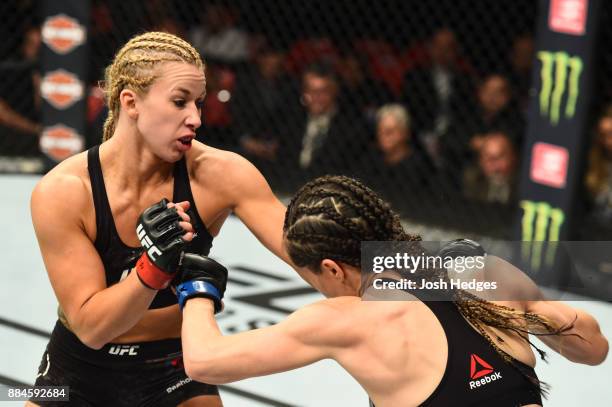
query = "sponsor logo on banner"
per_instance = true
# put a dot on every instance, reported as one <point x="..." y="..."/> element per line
<point x="62" y="33"/>
<point x="540" y="223"/>
<point x="61" y="89"/>
<point x="568" y="16"/>
<point x="481" y="372"/>
<point x="549" y="165"/>
<point x="60" y="142"/>
<point x="560" y="74"/>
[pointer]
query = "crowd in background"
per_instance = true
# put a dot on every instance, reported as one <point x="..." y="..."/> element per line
<point x="422" y="124"/>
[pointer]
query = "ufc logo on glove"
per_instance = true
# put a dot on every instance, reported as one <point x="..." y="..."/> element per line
<point x="146" y="242"/>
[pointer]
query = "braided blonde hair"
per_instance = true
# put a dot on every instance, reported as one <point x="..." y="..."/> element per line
<point x="134" y="67"/>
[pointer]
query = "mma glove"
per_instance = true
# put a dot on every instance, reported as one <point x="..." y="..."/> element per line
<point x="160" y="234"/>
<point x="201" y="276"/>
<point x="461" y="248"/>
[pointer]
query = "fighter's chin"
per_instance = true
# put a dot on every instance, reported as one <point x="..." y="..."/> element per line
<point x="171" y="156"/>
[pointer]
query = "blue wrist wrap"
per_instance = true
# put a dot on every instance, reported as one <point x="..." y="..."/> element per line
<point x="196" y="288"/>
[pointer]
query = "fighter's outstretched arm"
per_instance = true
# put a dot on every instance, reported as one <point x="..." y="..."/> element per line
<point x="306" y="336"/>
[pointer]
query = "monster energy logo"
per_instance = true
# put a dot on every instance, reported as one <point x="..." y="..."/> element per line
<point x="540" y="223"/>
<point x="555" y="77"/>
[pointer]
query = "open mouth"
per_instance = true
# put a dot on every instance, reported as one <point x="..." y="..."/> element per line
<point x="186" y="140"/>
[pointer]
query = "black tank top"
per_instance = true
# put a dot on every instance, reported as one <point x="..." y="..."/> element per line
<point x="119" y="258"/>
<point x="476" y="375"/>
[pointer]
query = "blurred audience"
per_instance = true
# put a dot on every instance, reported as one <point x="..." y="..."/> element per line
<point x="216" y="128"/>
<point x="260" y="105"/>
<point x="520" y="63"/>
<point x="495" y="110"/>
<point x="599" y="174"/>
<point x="305" y="52"/>
<point x="169" y="25"/>
<point x="397" y="170"/>
<point x="20" y="100"/>
<point x="359" y="90"/>
<point x="436" y="91"/>
<point x="324" y="138"/>
<point x="218" y="37"/>
<point x="493" y="179"/>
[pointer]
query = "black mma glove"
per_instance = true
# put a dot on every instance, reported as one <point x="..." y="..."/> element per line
<point x="461" y="248"/>
<point x="160" y="234"/>
<point x="201" y="276"/>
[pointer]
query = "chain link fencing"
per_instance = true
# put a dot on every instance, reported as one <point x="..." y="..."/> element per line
<point x="424" y="101"/>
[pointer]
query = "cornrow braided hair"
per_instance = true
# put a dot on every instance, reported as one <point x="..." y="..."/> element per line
<point x="134" y="67"/>
<point x="330" y="216"/>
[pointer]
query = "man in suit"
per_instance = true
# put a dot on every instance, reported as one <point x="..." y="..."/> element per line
<point x="436" y="90"/>
<point x="325" y="137"/>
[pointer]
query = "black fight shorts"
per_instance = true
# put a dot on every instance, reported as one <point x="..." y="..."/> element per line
<point x="131" y="378"/>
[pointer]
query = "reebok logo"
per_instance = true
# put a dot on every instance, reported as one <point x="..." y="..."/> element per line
<point x="146" y="242"/>
<point x="178" y="385"/>
<point x="481" y="372"/>
<point x="130" y="350"/>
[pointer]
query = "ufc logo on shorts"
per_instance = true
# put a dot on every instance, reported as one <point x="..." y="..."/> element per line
<point x="130" y="350"/>
<point x="152" y="250"/>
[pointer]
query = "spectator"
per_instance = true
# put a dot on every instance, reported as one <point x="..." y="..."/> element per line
<point x="494" y="178"/>
<point x="519" y="68"/>
<point x="218" y="38"/>
<point x="169" y="25"/>
<point x="397" y="169"/>
<point x="599" y="173"/>
<point x="434" y="92"/>
<point x="217" y="120"/>
<point x="359" y="90"/>
<point x="494" y="111"/>
<point x="259" y="105"/>
<point x="20" y="100"/>
<point x="316" y="49"/>
<point x="324" y="138"/>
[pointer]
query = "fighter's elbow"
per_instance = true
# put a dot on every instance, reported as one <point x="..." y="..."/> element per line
<point x="204" y="371"/>
<point x="594" y="353"/>
<point x="600" y="352"/>
<point x="90" y="339"/>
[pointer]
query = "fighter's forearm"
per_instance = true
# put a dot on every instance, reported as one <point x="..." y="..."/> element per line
<point x="156" y="324"/>
<point x="111" y="312"/>
<point x="202" y="340"/>
<point x="583" y="342"/>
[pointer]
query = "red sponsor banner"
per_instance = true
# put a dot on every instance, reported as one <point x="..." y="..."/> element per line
<point x="62" y="33"/>
<point x="568" y="16"/>
<point x="60" y="142"/>
<point x="61" y="89"/>
<point x="549" y="165"/>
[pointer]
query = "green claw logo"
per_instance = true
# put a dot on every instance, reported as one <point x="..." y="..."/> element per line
<point x="555" y="77"/>
<point x="540" y="223"/>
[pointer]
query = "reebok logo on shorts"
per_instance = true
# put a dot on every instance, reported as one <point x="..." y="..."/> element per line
<point x="481" y="372"/>
<point x="177" y="385"/>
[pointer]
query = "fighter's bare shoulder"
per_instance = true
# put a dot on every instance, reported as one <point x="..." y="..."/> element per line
<point x="223" y="171"/>
<point x="66" y="186"/>
<point x="332" y="321"/>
